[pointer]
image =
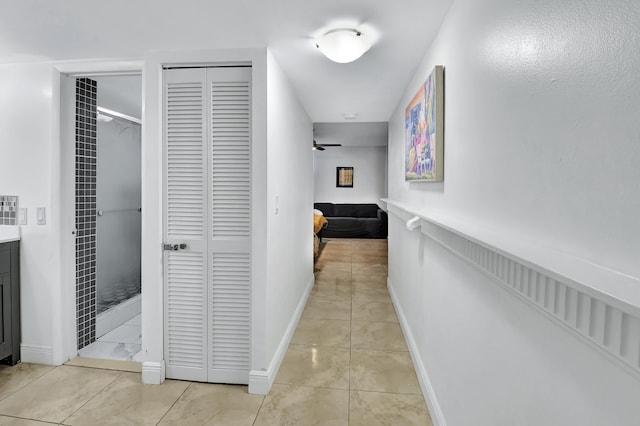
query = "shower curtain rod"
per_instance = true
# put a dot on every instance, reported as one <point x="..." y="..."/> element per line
<point x="119" y="115"/>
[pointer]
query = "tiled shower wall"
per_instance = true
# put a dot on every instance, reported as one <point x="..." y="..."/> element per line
<point x="8" y="210"/>
<point x="86" y="95"/>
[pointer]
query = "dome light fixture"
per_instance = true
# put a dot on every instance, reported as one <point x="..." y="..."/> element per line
<point x="343" y="45"/>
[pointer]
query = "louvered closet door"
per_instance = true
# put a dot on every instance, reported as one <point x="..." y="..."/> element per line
<point x="229" y="224"/>
<point x="186" y="310"/>
<point x="207" y="181"/>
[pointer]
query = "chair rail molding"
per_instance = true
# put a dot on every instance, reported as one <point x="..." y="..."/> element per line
<point x="600" y="305"/>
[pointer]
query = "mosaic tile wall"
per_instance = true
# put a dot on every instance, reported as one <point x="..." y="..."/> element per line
<point x="86" y="95"/>
<point x="8" y="210"/>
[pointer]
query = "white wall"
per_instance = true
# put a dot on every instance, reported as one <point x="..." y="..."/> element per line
<point x="541" y="123"/>
<point x="541" y="143"/>
<point x="289" y="220"/>
<point x="29" y="168"/>
<point x="282" y="263"/>
<point x="369" y="174"/>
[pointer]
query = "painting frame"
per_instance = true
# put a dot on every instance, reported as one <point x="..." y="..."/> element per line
<point x="424" y="131"/>
<point x="344" y="177"/>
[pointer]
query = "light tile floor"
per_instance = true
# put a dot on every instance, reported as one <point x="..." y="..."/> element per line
<point x="347" y="364"/>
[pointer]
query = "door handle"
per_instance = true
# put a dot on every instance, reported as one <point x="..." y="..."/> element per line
<point x="174" y="247"/>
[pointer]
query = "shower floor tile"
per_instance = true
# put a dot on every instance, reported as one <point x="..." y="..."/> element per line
<point x="111" y="350"/>
<point x="137" y="320"/>
<point x="122" y="343"/>
<point x="123" y="334"/>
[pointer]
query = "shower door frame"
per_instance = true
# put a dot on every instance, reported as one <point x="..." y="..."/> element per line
<point x="65" y="337"/>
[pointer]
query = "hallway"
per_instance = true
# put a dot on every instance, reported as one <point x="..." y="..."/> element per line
<point x="347" y="364"/>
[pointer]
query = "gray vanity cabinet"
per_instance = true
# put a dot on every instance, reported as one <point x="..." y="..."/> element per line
<point x="10" y="302"/>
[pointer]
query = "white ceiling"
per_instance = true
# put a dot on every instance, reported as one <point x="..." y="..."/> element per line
<point x="34" y="30"/>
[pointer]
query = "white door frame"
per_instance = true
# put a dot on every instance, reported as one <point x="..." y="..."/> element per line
<point x="153" y="301"/>
<point x="65" y="346"/>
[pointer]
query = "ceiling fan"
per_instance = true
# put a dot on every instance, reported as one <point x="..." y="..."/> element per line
<point x="321" y="146"/>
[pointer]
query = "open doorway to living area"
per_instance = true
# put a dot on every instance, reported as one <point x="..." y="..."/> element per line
<point x="350" y="179"/>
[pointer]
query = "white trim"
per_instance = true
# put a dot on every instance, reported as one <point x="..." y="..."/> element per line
<point x="428" y="392"/>
<point x="37" y="354"/>
<point x="100" y="66"/>
<point x="260" y="382"/>
<point x="153" y="373"/>
<point x="613" y="287"/>
<point x="64" y="330"/>
<point x="66" y="347"/>
<point x="548" y="282"/>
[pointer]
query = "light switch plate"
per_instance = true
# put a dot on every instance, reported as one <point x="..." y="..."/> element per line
<point x="22" y="216"/>
<point x="41" y="215"/>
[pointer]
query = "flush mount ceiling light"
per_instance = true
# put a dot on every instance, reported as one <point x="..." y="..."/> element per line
<point x="343" y="45"/>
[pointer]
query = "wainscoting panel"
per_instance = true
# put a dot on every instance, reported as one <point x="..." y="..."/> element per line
<point x="609" y="323"/>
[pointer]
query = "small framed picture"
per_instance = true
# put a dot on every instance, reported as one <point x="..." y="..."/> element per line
<point x="344" y="177"/>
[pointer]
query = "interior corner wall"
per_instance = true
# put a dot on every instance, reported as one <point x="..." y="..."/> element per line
<point x="369" y="174"/>
<point x="541" y="142"/>
<point x="29" y="152"/>
<point x="289" y="205"/>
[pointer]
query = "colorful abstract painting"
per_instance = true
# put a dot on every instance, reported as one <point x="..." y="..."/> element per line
<point x="424" y="131"/>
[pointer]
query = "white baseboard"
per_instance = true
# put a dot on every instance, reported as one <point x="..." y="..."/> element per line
<point x="36" y="354"/>
<point x="153" y="373"/>
<point x="425" y="384"/>
<point x="260" y="382"/>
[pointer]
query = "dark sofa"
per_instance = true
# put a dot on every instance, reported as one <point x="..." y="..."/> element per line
<point x="353" y="221"/>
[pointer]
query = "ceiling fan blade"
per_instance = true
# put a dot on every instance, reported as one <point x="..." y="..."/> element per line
<point x="319" y="147"/>
<point x="330" y="144"/>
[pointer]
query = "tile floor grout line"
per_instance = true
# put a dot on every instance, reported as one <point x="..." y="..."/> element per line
<point x="116" y="377"/>
<point x="22" y="387"/>
<point x="312" y="387"/>
<point x="174" y="403"/>
<point x="27" y="418"/>
<point x="350" y="343"/>
<point x="385" y="392"/>
<point x="377" y="350"/>
<point x="264" y="398"/>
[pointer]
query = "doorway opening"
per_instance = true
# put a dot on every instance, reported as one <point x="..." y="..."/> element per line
<point x="108" y="110"/>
